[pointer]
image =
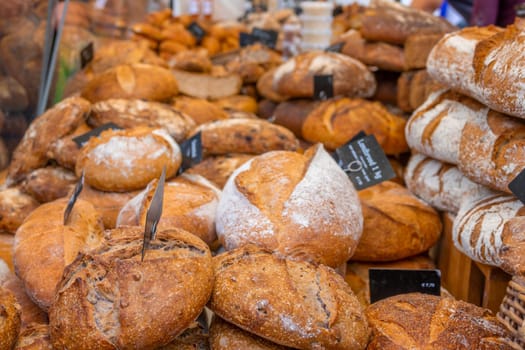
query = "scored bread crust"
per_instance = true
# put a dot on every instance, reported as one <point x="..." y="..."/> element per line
<point x="292" y="303"/>
<point x="217" y="169"/>
<point x="9" y="319"/>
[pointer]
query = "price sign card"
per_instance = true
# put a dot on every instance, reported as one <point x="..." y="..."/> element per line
<point x="517" y="186"/>
<point x="82" y="139"/>
<point x="191" y="150"/>
<point x="385" y="283"/>
<point x="323" y="86"/>
<point x="86" y="55"/>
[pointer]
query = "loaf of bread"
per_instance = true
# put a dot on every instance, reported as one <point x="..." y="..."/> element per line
<point x="13" y="96"/>
<point x="488" y="229"/>
<point x="196" y="60"/>
<point x="226" y="336"/>
<point x="207" y="86"/>
<point x="292" y="303"/>
<point x="421" y="87"/>
<point x="252" y="136"/>
<point x="193" y="338"/>
<point x="132" y="81"/>
<point x="44" y="246"/>
<point x="9" y="319"/>
<point x="417" y="47"/>
<point x="292" y="114"/>
<point x="393" y="22"/>
<point x="396" y="224"/>
<point x="49" y="183"/>
<point x="126" y="160"/>
<point x="217" y="169"/>
<point x="334" y="122"/>
<point x="386" y="91"/>
<point x="266" y="108"/>
<point x="422" y="321"/>
<point x="492" y="149"/>
<point x="132" y="113"/>
<point x="265" y="87"/>
<point x="65" y="151"/>
<point x="4" y="156"/>
<point x="240" y="103"/>
<point x="57" y="122"/>
<point x="351" y="78"/>
<point x="6" y="249"/>
<point x="440" y="184"/>
<point x="302" y="206"/>
<point x="34" y="337"/>
<point x="15" y="205"/>
<point x="378" y="54"/>
<point x="129" y="303"/>
<point x="200" y="110"/>
<point x="252" y="62"/>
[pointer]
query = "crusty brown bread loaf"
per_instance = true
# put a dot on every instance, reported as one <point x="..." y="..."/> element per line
<point x="439" y="184"/>
<point x="49" y="183"/>
<point x="252" y="62"/>
<point x="15" y="205"/>
<point x="44" y="246"/>
<point x="417" y="47"/>
<point x="191" y="60"/>
<point x="207" y="86"/>
<point x="132" y="113"/>
<point x="226" y="336"/>
<point x="34" y="337"/>
<point x="54" y="124"/>
<point x="128" y="303"/>
<point x="132" y="81"/>
<point x="292" y="114"/>
<point x="421" y="87"/>
<point x="421" y="321"/>
<point x="126" y="160"/>
<point x="492" y="149"/>
<point x="403" y="91"/>
<point x="396" y="224"/>
<point x="217" y="169"/>
<point x="193" y="338"/>
<point x="386" y="91"/>
<point x="265" y="87"/>
<point x="334" y="122"/>
<point x="9" y="319"/>
<point x="200" y="110"/>
<point x="302" y="206"/>
<point x="240" y="103"/>
<point x="64" y="150"/>
<point x="252" y="136"/>
<point x="292" y="303"/>
<point x="13" y="96"/>
<point x="489" y="229"/>
<point x="351" y="78"/>
<point x="393" y="22"/>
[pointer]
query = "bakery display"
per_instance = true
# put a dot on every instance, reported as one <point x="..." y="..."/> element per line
<point x="34" y="337"/>
<point x="207" y="86"/>
<point x="217" y="169"/>
<point x="15" y="205"/>
<point x="49" y="183"/>
<point x="10" y="319"/>
<point x="201" y="111"/>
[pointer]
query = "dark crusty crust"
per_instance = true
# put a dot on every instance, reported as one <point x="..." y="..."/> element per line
<point x="49" y="183"/>
<point x="292" y="303"/>
<point x="218" y="169"/>
<point x="292" y="114"/>
<point x="420" y="321"/>
<point x="9" y="319"/>
<point x="109" y="299"/>
<point x="34" y="337"/>
<point x="265" y="87"/>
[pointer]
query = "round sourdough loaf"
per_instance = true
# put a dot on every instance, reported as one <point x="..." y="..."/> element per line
<point x="49" y="183"/>
<point x="292" y="303"/>
<point x="218" y="169"/>
<point x="189" y="203"/>
<point x="132" y="81"/>
<point x="15" y="205"/>
<point x="9" y="319"/>
<point x="34" y="337"/>
<point x="397" y="224"/>
<point x="44" y="246"/>
<point x="351" y="78"/>
<point x="126" y="160"/>
<point x="132" y="113"/>
<point x="109" y="298"/>
<point x="225" y="336"/>
<point x="299" y="205"/>
<point x="336" y="121"/>
<point x="422" y="321"/>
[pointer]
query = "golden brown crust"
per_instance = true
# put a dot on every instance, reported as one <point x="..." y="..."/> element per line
<point x="108" y="298"/>
<point x="335" y="122"/>
<point x="9" y="319"/>
<point x="191" y="60"/>
<point x="397" y="224"/>
<point x="132" y="81"/>
<point x="44" y="246"/>
<point x="64" y="150"/>
<point x="126" y="160"/>
<point x="13" y="96"/>
<point x="252" y="62"/>
<point x="419" y="321"/>
<point x="34" y="337"/>
<point x="328" y="316"/>
<point x="417" y="48"/>
<point x="200" y="110"/>
<point x="48" y="184"/>
<point x="218" y="169"/>
<point x="15" y="205"/>
<point x="421" y="87"/>
<point x="241" y="103"/>
<point x="265" y="87"/>
<point x="6" y="250"/>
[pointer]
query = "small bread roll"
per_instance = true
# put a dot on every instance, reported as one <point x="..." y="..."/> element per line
<point x="238" y="103"/>
<point x="64" y="150"/>
<point x="44" y="246"/>
<point x="126" y="160"/>
<point x="9" y="319"/>
<point x="15" y="205"/>
<point x="48" y="184"/>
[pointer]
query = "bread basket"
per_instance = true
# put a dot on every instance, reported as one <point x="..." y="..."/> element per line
<point x="512" y="309"/>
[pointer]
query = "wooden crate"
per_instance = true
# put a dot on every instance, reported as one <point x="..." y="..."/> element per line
<point x="466" y="279"/>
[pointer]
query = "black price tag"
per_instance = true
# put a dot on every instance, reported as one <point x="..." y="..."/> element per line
<point x="246" y="39"/>
<point x="202" y="321"/>
<point x="323" y="86"/>
<point x="337" y="10"/>
<point x="196" y="30"/>
<point x="385" y="283"/>
<point x="82" y="139"/>
<point x="154" y="213"/>
<point x="73" y="199"/>
<point x="298" y="10"/>
<point x="364" y="161"/>
<point x="86" y="55"/>
<point x="337" y="47"/>
<point x="191" y="150"/>
<point x="517" y="186"/>
<point x="265" y="37"/>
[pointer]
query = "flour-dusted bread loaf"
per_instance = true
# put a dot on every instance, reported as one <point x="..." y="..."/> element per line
<point x="57" y="122"/>
<point x="126" y="160"/>
<point x="34" y="337"/>
<point x="302" y="206"/>
<point x="65" y="151"/>
<point x="226" y="336"/>
<point x="336" y="121"/>
<point x="217" y="169"/>
<point x="440" y="184"/>
<point x="128" y="303"/>
<point x="396" y="225"/>
<point x="422" y="321"/>
<point x="132" y="81"/>
<point x="9" y="319"/>
<point x="351" y="78"/>
<point x="292" y="303"/>
<point x="492" y="149"/>
<point x="44" y="246"/>
<point x="251" y="136"/>
<point x="189" y="203"/>
<point x="435" y="128"/>
<point x="200" y="110"/>
<point x="132" y="113"/>
<point x="489" y="229"/>
<point x="15" y="206"/>
<point x="49" y="183"/>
